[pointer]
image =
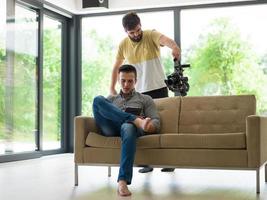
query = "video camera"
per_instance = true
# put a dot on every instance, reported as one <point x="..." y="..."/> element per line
<point x="176" y="81"/>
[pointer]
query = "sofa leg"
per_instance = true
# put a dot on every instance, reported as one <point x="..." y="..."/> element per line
<point x="265" y="172"/>
<point x="258" y="180"/>
<point x="76" y="174"/>
<point x="109" y="171"/>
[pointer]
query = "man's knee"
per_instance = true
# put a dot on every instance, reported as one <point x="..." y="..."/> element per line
<point x="98" y="99"/>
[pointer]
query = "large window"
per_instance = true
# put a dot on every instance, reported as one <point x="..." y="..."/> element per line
<point x="227" y="50"/>
<point x="52" y="83"/>
<point x="100" y="39"/>
<point x="30" y="80"/>
<point x="18" y="88"/>
<point x="2" y="74"/>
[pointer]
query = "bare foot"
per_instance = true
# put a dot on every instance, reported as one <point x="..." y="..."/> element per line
<point x="142" y="123"/>
<point x="123" y="189"/>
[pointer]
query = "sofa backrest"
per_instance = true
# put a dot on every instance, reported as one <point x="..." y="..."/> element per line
<point x="215" y="114"/>
<point x="169" y="110"/>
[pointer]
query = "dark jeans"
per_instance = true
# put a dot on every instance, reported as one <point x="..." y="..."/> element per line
<point x="114" y="122"/>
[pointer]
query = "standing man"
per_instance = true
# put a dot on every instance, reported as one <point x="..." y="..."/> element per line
<point x="113" y="119"/>
<point x="142" y="50"/>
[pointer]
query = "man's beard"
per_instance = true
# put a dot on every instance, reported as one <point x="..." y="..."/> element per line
<point x="138" y="38"/>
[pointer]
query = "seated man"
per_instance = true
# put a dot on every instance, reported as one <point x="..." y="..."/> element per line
<point x="114" y="118"/>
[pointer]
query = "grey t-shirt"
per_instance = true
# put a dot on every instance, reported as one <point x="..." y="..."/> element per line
<point x="138" y="100"/>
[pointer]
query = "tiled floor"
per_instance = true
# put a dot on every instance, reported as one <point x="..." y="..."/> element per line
<point x="51" y="178"/>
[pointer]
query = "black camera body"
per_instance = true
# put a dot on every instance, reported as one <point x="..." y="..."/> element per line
<point x="176" y="81"/>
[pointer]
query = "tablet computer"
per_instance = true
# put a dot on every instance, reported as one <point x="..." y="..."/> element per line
<point x="132" y="110"/>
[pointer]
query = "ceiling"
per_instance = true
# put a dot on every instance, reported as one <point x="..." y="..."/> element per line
<point x="75" y="6"/>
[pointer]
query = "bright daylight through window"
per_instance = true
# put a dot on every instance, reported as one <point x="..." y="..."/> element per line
<point x="18" y="83"/>
<point x="19" y="106"/>
<point x="226" y="48"/>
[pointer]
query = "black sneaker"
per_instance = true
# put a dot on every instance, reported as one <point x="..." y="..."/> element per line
<point x="167" y="169"/>
<point x="145" y="169"/>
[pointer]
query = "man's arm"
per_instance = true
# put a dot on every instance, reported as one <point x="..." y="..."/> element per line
<point x="114" y="76"/>
<point x="150" y="111"/>
<point x="165" y="41"/>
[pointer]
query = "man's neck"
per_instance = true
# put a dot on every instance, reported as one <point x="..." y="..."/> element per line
<point x="126" y="95"/>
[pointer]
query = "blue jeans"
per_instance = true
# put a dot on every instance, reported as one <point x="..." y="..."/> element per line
<point x="114" y="122"/>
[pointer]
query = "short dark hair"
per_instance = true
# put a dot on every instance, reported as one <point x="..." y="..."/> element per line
<point x="130" y="21"/>
<point x="128" y="69"/>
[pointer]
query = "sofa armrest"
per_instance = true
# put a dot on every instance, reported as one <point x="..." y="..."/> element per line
<point x="256" y="137"/>
<point x="82" y="126"/>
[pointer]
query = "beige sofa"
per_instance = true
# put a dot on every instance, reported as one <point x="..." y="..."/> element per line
<point x="197" y="132"/>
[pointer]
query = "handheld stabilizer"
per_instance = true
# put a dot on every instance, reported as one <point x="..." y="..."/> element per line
<point x="176" y="81"/>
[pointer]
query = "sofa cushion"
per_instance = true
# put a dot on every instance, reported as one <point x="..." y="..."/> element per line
<point x="144" y="142"/>
<point x="204" y="141"/>
<point x="215" y="114"/>
<point x="168" y="109"/>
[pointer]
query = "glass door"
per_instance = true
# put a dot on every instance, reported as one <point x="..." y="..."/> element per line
<point x="18" y="79"/>
<point x="52" y="67"/>
<point x="32" y="43"/>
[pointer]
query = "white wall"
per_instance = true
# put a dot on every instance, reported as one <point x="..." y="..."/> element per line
<point x="137" y="4"/>
<point x="75" y="6"/>
<point x="70" y="5"/>
<point x="158" y="3"/>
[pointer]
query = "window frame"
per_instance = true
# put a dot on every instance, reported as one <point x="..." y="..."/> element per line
<point x="39" y="152"/>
